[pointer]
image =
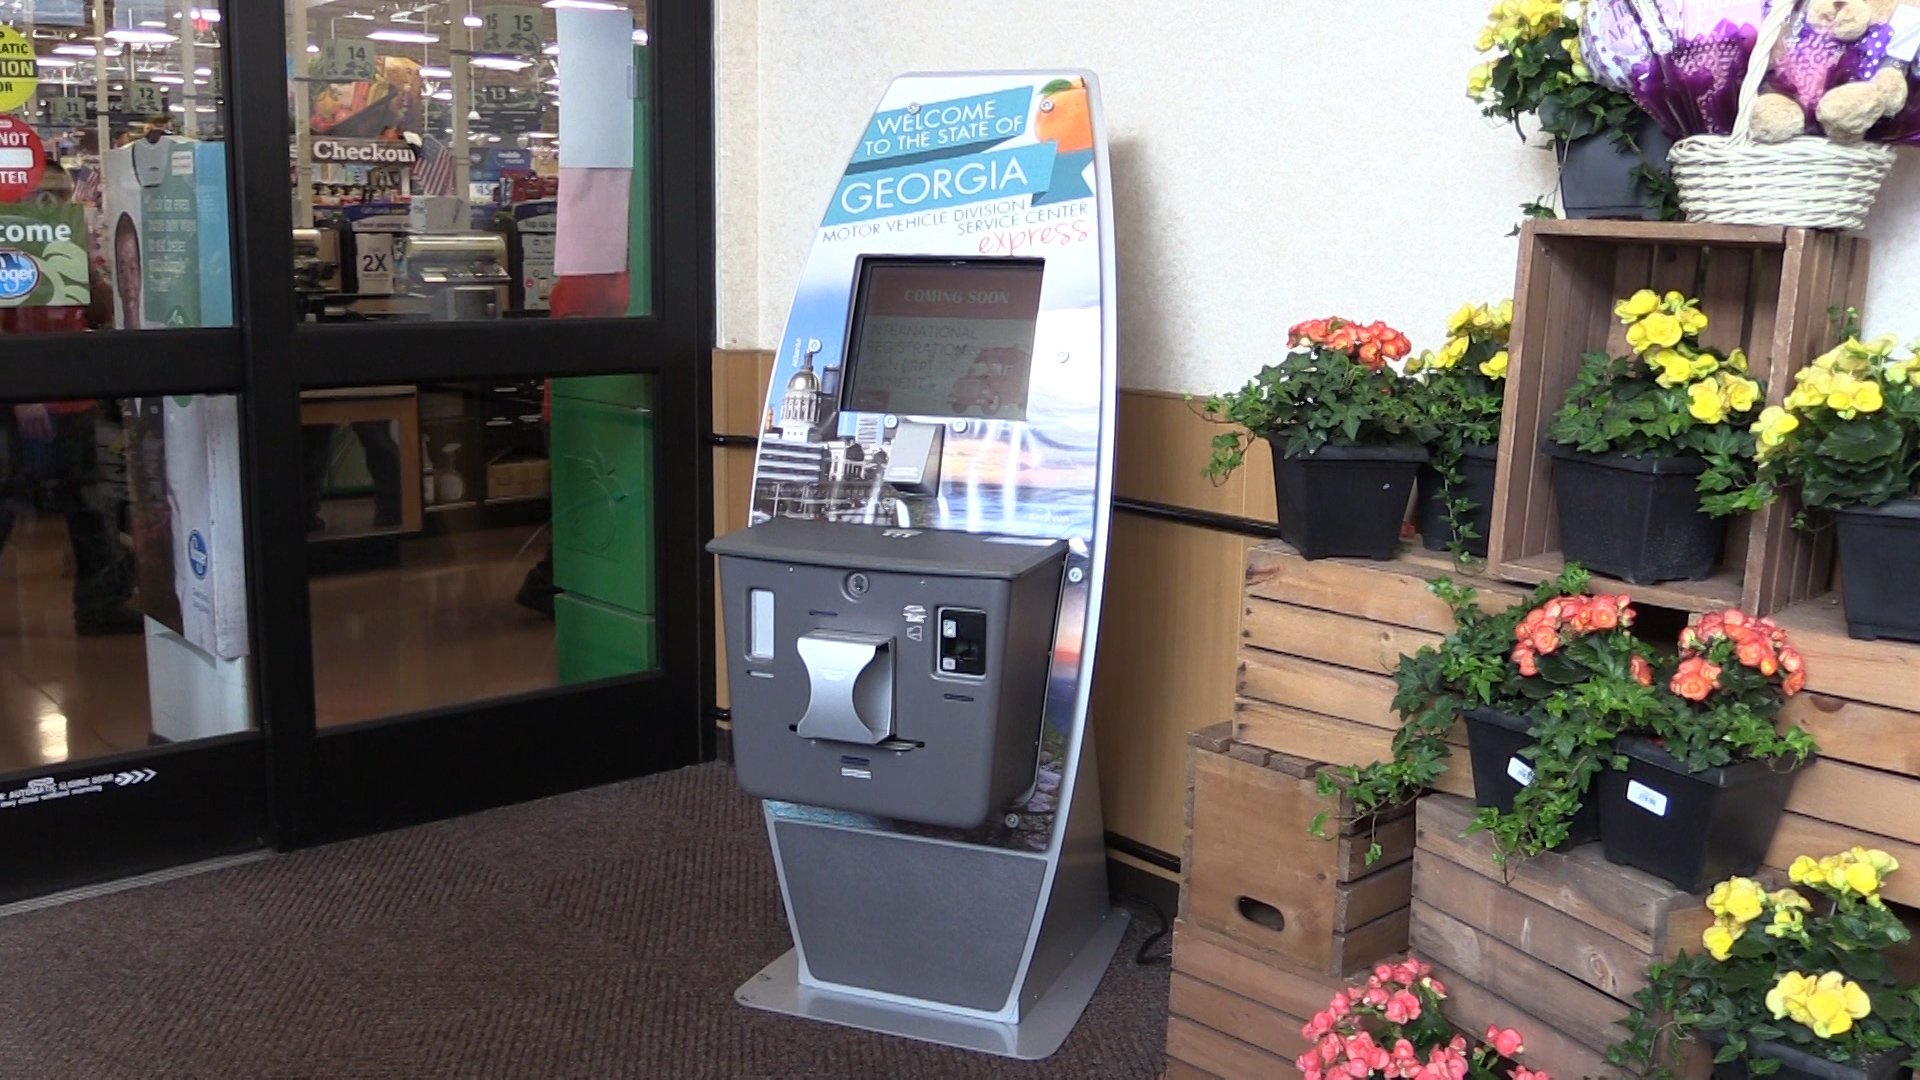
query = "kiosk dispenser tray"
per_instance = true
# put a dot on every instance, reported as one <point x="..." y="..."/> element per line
<point x="895" y="672"/>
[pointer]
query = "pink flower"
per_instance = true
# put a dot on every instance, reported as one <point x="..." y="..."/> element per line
<point x="1521" y="1072"/>
<point x="1338" y="1008"/>
<point x="1439" y="988"/>
<point x="1316" y="1027"/>
<point x="1402" y="1008"/>
<point x="1330" y="1048"/>
<point x="1375" y="997"/>
<point x="1447" y="1063"/>
<point x="1309" y="1064"/>
<point x="1506" y="1042"/>
<point x="1386" y="973"/>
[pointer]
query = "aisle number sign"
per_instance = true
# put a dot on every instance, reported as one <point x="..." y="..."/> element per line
<point x="19" y="74"/>
<point x="345" y="60"/>
<point x="512" y="30"/>
<point x="67" y="111"/>
<point x="143" y="99"/>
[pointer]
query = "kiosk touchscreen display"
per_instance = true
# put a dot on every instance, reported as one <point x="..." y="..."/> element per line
<point x="944" y="338"/>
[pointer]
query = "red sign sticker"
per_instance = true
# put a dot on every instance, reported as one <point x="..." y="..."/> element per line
<point x="22" y="159"/>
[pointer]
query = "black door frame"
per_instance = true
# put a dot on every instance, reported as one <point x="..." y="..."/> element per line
<point x="286" y="784"/>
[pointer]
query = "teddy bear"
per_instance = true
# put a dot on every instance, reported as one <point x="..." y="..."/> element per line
<point x="1843" y="64"/>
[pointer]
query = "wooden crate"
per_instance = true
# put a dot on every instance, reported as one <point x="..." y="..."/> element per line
<point x="1236" y="1010"/>
<point x="1768" y="290"/>
<point x="1320" y="641"/>
<point x="1557" y="952"/>
<point x="1254" y="873"/>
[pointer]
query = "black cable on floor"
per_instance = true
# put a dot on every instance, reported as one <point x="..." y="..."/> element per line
<point x="1160" y="917"/>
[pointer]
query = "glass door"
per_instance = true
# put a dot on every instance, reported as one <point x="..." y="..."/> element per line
<point x="350" y="459"/>
<point x="497" y="387"/>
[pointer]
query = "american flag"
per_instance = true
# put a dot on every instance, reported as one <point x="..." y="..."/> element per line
<point x="433" y="168"/>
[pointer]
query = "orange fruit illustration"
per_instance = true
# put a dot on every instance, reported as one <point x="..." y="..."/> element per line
<point x="1064" y="117"/>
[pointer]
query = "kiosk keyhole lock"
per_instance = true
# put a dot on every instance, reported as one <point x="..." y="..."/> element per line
<point x="963" y="642"/>
<point x="851" y="678"/>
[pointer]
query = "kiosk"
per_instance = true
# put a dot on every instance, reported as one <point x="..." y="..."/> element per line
<point x="911" y="617"/>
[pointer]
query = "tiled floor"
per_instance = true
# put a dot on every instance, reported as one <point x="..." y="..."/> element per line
<point x="440" y="629"/>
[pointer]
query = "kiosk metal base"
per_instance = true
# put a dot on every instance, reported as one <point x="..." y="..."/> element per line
<point x="777" y="989"/>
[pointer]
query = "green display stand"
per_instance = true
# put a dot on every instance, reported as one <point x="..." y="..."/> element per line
<point x="596" y="641"/>
<point x="603" y="491"/>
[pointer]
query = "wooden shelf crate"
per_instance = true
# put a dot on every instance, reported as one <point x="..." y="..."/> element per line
<point x="1235" y="1011"/>
<point x="1253" y="871"/>
<point x="1767" y="290"/>
<point x="1320" y="641"/>
<point x="1557" y="952"/>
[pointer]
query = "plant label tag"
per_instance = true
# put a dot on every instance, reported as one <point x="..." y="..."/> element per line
<point x="1646" y="798"/>
<point x="1521" y="772"/>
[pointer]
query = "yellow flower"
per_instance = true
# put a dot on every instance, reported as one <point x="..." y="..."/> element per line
<point x="1693" y="321"/>
<point x="1842" y="395"/>
<point x="1495" y="366"/>
<point x="1879" y="860"/>
<point x="1657" y="329"/>
<point x="1479" y="79"/>
<point x="1737" y="361"/>
<point x="1868" y="398"/>
<point x="1484" y="43"/>
<point x="1788" y="898"/>
<point x="1719" y="939"/>
<point x="1675" y="369"/>
<point x="1705" y="364"/>
<point x="1833" y="1004"/>
<point x="1460" y="320"/>
<point x="1742" y="394"/>
<point x="1705" y="402"/>
<point x="1804" y="870"/>
<point x="1417" y="364"/>
<point x="1898" y="372"/>
<point x="1772" y="429"/>
<point x="1637" y="307"/>
<point x="1787" y="922"/>
<point x="1450" y="355"/>
<point x="1739" y="899"/>
<point x="1863" y="879"/>
<point x="1789" y="994"/>
<point x="1504" y="313"/>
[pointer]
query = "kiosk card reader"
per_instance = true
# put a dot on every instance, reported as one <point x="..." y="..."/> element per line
<point x="895" y="672"/>
<point x="912" y="614"/>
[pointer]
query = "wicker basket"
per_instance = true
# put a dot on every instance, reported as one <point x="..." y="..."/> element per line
<point x="1810" y="182"/>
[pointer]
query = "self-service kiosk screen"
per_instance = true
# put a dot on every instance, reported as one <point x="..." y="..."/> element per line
<point x="944" y="337"/>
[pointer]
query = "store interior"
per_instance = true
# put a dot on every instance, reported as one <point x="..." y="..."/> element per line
<point x="428" y="182"/>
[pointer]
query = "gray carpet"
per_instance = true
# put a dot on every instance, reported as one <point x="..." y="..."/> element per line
<point x="593" y="935"/>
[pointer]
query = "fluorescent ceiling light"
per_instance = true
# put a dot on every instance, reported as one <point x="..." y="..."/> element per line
<point x="404" y="37"/>
<point x="203" y="108"/>
<point x="361" y="15"/>
<point x="55" y="62"/>
<point x="143" y="37"/>
<point x="436" y="73"/>
<point x="76" y="50"/>
<point x="639" y="37"/>
<point x="203" y="71"/>
<point x="552" y="49"/>
<point x="441" y="95"/>
<point x="589" y="5"/>
<point x="158" y="24"/>
<point x="501" y="63"/>
<point x="472" y="21"/>
<point x="541" y="135"/>
<point x="312" y="48"/>
<point x="170" y="80"/>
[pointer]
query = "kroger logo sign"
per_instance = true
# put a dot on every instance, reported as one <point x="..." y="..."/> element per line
<point x="197" y="554"/>
<point x="18" y="274"/>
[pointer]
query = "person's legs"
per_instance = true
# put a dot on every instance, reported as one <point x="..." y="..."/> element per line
<point x="383" y="465"/>
<point x="103" y="570"/>
<point x="317" y="454"/>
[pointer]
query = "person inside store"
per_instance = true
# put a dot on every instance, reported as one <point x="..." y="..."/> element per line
<point x="383" y="467"/>
<point x="50" y="457"/>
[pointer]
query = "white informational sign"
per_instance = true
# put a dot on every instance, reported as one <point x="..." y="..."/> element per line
<point x="374" y="263"/>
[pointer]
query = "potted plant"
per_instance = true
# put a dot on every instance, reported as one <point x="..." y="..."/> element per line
<point x="1470" y="670"/>
<point x="1652" y="449"/>
<point x="1707" y="779"/>
<point x="1587" y="679"/>
<point x="1847" y="441"/>
<point x="1346" y="440"/>
<point x="1612" y="155"/>
<point x="1391" y="1026"/>
<point x="1792" y="983"/>
<point x="1460" y="389"/>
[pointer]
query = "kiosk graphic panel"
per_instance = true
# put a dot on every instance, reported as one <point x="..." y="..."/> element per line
<point x="910" y="620"/>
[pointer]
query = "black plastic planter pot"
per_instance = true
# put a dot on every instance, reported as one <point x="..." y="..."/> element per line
<point x="1797" y="1064"/>
<point x="1876" y="551"/>
<point x="1345" y="500"/>
<point x="1636" y="519"/>
<point x="1597" y="177"/>
<point x="1692" y="830"/>
<point x="1495" y="741"/>
<point x="1477" y="466"/>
